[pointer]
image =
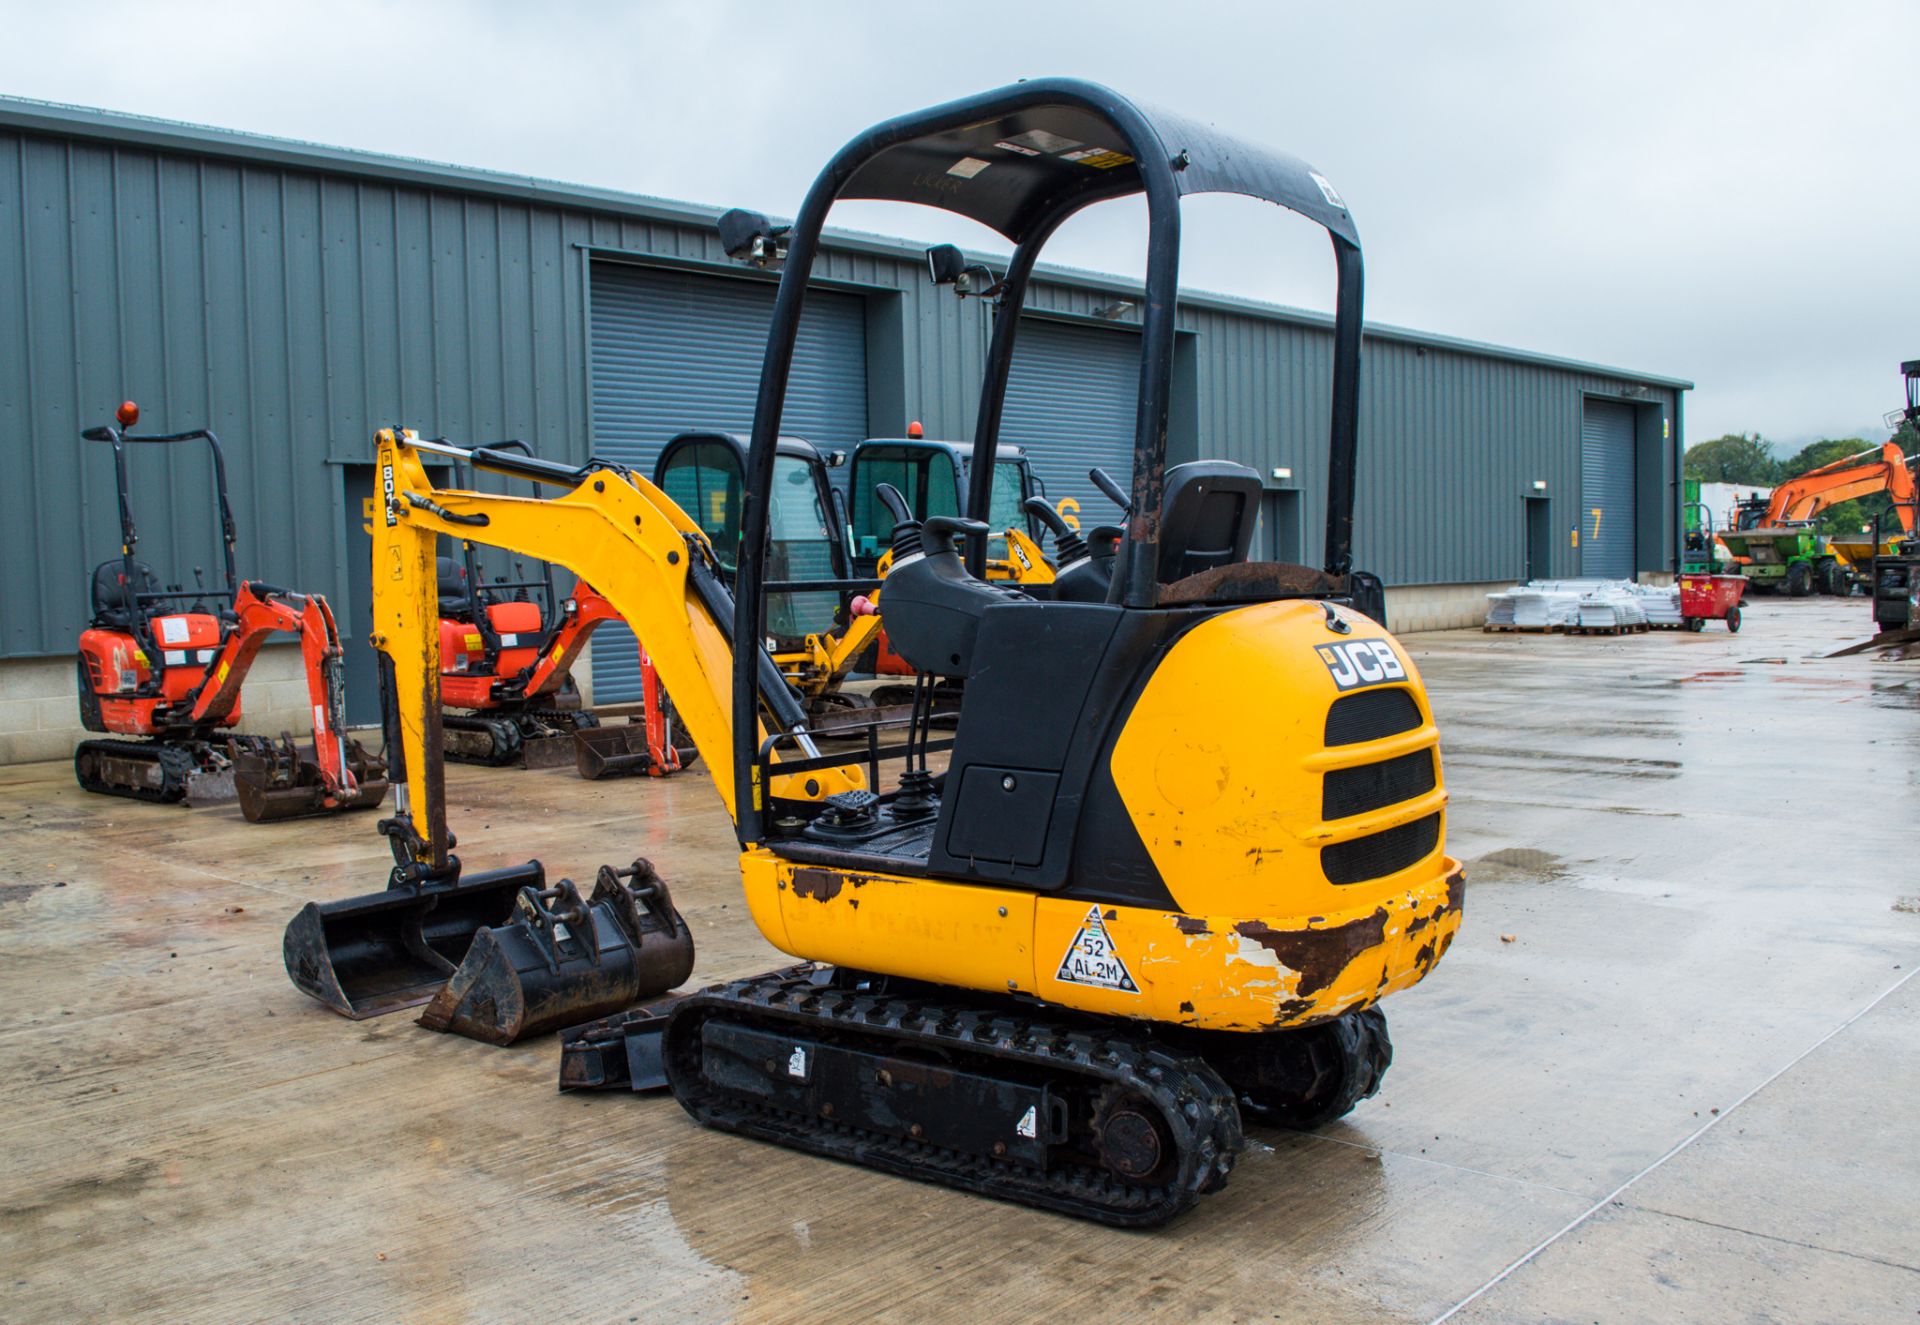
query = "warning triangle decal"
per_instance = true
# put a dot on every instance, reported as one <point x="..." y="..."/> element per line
<point x="1093" y="960"/>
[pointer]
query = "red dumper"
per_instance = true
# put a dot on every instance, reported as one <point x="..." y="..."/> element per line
<point x="1705" y="598"/>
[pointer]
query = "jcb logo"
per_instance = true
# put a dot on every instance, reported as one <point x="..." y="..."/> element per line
<point x="1361" y="662"/>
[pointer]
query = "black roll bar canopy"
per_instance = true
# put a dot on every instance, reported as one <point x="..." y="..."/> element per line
<point x="120" y="439"/>
<point x="1022" y="160"/>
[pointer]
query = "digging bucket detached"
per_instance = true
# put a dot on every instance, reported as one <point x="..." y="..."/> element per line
<point x="562" y="960"/>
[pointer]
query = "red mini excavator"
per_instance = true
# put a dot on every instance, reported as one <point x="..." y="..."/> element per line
<point x="159" y="664"/>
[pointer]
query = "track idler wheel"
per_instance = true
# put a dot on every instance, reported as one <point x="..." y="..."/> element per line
<point x="1130" y="1137"/>
<point x="564" y="961"/>
<point x="1308" y="1077"/>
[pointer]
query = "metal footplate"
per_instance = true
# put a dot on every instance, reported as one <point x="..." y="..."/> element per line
<point x="1099" y="1122"/>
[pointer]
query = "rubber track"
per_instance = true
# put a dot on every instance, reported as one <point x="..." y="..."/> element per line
<point x="1196" y="1105"/>
<point x="176" y="766"/>
<point x="507" y="732"/>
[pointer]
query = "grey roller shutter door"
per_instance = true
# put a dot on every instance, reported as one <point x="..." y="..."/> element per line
<point x="1070" y="404"/>
<point x="1606" y="490"/>
<point x="675" y="351"/>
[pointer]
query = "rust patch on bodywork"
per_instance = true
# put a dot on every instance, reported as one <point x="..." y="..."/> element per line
<point x="1319" y="955"/>
<point x="1290" y="1010"/>
<point x="820" y="885"/>
<point x="1191" y="925"/>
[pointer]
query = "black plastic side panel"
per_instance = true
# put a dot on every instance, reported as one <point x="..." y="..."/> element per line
<point x="1001" y="814"/>
<point x="1053" y="694"/>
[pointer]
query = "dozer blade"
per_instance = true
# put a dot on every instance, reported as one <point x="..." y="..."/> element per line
<point x="365" y="956"/>
<point x="279" y="783"/>
<point x="621" y="1052"/>
<point x="549" y="751"/>
<point x="563" y="961"/>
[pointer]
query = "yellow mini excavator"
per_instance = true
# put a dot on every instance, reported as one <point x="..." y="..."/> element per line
<point x="1190" y="829"/>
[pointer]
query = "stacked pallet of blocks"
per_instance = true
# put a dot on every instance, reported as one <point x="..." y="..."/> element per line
<point x="1584" y="607"/>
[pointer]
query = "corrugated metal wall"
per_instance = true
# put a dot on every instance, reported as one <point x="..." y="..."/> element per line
<point x="295" y="299"/>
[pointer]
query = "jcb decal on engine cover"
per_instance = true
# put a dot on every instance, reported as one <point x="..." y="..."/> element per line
<point x="1093" y="960"/>
<point x="1361" y="662"/>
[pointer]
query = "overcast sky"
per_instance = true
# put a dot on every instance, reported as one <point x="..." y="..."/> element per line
<point x="1728" y="193"/>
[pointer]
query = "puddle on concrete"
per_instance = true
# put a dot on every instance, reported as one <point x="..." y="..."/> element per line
<point x="1516" y="865"/>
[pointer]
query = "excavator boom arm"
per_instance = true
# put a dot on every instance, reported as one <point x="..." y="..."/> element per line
<point x="615" y="530"/>
<point x="261" y="616"/>
<point x="1806" y="495"/>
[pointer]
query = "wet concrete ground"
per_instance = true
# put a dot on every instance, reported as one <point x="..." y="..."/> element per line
<point x="1667" y="1072"/>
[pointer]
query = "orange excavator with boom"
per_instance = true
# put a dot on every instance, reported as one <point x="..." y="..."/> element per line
<point x="159" y="665"/>
<point x="1773" y="537"/>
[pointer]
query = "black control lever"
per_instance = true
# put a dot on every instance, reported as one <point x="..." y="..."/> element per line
<point x="1115" y="493"/>
<point x="906" y="529"/>
<point x="896" y="504"/>
<point x="1068" y="546"/>
<point x="937" y="533"/>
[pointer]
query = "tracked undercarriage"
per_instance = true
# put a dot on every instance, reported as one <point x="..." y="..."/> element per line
<point x="1097" y="1120"/>
<point x="530" y="737"/>
<point x="164" y="770"/>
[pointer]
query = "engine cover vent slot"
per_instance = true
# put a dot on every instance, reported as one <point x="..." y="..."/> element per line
<point x="1350" y="791"/>
<point x="1371" y="715"/>
<point x="1380" y="854"/>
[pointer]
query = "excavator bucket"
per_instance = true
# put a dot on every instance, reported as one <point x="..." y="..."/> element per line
<point x="280" y="782"/>
<point x="563" y="961"/>
<point x="377" y="953"/>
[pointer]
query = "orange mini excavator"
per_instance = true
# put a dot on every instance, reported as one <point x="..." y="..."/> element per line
<point x="159" y="664"/>
<point x="507" y="649"/>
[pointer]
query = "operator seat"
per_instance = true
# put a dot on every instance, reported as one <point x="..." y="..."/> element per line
<point x="1208" y="517"/>
<point x="1207" y="520"/>
<point x="113" y="596"/>
<point x="456" y="598"/>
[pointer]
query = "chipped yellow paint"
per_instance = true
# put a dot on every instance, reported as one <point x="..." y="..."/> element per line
<point x="1220" y="974"/>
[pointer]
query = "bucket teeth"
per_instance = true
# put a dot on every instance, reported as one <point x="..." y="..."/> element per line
<point x="563" y="960"/>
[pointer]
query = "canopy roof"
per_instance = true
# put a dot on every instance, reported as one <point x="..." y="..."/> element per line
<point x="1066" y="144"/>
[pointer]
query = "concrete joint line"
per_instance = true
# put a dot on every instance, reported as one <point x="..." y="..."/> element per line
<point x="1678" y="1146"/>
